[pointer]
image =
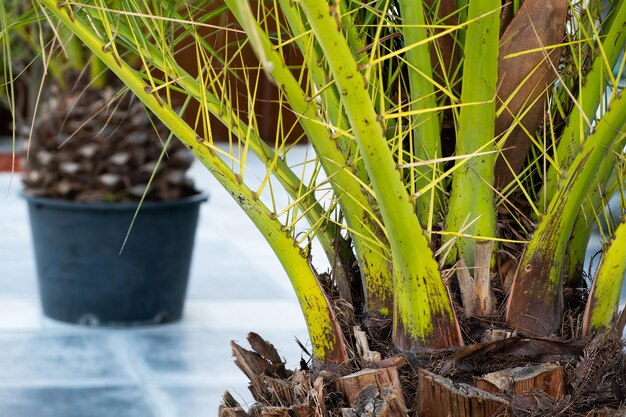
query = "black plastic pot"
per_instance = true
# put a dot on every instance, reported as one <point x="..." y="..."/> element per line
<point x="83" y="278"/>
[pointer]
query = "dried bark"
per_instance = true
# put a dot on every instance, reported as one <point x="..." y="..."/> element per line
<point x="319" y="397"/>
<point x="440" y="382"/>
<point x="476" y="293"/>
<point x="467" y="288"/>
<point x="374" y="403"/>
<point x="536" y="349"/>
<point x="269" y="352"/>
<point x="546" y="377"/>
<point x="232" y="412"/>
<point x="275" y="412"/>
<point x="230" y="407"/>
<point x="440" y="397"/>
<point x="538" y="24"/>
<point x="373" y="393"/>
<point x="385" y="380"/>
<point x="484" y="251"/>
<point x="254" y="366"/>
<point x="363" y="348"/>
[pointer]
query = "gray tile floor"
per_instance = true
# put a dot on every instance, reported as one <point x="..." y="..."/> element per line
<point x="51" y="369"/>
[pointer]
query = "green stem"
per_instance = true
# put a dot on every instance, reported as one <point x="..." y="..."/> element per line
<point x="328" y="233"/>
<point x="355" y="205"/>
<point x="375" y="299"/>
<point x="588" y="101"/>
<point x="536" y="298"/>
<point x="604" y="184"/>
<point x="330" y="96"/>
<point x="326" y="337"/>
<point x="577" y="247"/>
<point x="423" y="313"/>
<point x="606" y="289"/>
<point x="97" y="73"/>
<point x="74" y="49"/>
<point x="462" y="6"/>
<point x="472" y="196"/>
<point x="426" y="133"/>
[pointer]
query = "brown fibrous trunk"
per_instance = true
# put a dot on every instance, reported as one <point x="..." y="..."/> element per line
<point x="514" y="376"/>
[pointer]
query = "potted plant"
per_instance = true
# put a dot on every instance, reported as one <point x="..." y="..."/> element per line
<point x="113" y="214"/>
<point x="467" y="147"/>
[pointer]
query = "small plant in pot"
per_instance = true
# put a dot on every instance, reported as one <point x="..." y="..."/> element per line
<point x="113" y="213"/>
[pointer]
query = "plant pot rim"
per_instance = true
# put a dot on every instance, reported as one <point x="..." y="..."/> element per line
<point x="199" y="197"/>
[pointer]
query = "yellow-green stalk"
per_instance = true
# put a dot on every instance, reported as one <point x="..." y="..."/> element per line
<point x="359" y="215"/>
<point x="604" y="184"/>
<point x="326" y="337"/>
<point x="610" y="48"/>
<point x="423" y="314"/>
<point x="606" y="289"/>
<point x="327" y="231"/>
<point x="536" y="296"/>
<point x="472" y="207"/>
<point x="427" y="129"/>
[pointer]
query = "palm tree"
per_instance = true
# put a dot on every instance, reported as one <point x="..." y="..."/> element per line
<point x="464" y="151"/>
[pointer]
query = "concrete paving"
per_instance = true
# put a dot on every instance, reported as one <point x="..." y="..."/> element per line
<point x="52" y="369"/>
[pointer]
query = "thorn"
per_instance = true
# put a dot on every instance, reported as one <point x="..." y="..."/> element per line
<point x="68" y="9"/>
<point x="117" y="60"/>
<point x="335" y="13"/>
<point x="304" y="350"/>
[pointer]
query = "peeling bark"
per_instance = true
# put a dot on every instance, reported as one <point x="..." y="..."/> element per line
<point x="475" y="290"/>
<point x="253" y="366"/>
<point x="538" y="24"/>
<point x="275" y="412"/>
<point x="547" y="378"/>
<point x="385" y="381"/>
<point x="375" y="404"/>
<point x="318" y="397"/>
<point x="362" y="347"/>
<point x="230" y="407"/>
<point x="440" y="397"/>
<point x="597" y="380"/>
<point x="467" y="289"/>
<point x="482" y="278"/>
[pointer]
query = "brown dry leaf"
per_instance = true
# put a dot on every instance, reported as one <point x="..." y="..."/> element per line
<point x="539" y="24"/>
<point x="539" y="348"/>
<point x="445" y="45"/>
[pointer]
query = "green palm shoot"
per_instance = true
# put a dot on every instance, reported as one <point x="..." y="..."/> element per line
<point x="463" y="150"/>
